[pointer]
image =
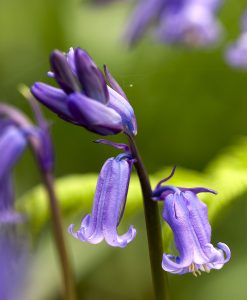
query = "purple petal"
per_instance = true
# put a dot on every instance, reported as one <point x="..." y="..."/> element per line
<point x="12" y="144"/>
<point x="55" y="99"/>
<point x="171" y="266"/>
<point x="236" y="54"/>
<point x="91" y="226"/>
<point x="94" y="115"/>
<point x="71" y="59"/>
<point x="198" y="212"/>
<point x="177" y="216"/>
<point x="144" y="14"/>
<point x="92" y="80"/>
<point x="226" y="250"/>
<point x="113" y="211"/>
<point x="63" y="72"/>
<point x="124" y="109"/>
<point x="113" y="83"/>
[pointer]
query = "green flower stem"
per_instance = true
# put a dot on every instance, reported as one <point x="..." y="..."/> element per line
<point x="153" y="226"/>
<point x="68" y="278"/>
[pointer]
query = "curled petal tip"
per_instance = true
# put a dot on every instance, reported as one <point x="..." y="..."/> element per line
<point x="226" y="251"/>
<point x="121" y="241"/>
<point x="71" y="230"/>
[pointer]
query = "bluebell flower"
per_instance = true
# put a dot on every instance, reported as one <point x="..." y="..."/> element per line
<point x="84" y="98"/>
<point x="188" y="218"/>
<point x="236" y="53"/>
<point x="38" y="136"/>
<point x="108" y="206"/>
<point x="194" y="24"/>
<point x="16" y="131"/>
<point x="12" y="144"/>
<point x="188" y="22"/>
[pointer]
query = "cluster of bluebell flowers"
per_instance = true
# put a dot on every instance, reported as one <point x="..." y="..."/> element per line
<point x="85" y="99"/>
<point x="188" y="22"/>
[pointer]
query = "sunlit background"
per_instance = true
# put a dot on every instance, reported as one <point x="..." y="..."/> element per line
<point x="190" y="105"/>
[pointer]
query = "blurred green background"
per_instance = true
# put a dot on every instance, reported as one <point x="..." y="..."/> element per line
<point x="189" y="104"/>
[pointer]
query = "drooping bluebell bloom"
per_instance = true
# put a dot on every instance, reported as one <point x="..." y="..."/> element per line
<point x="188" y="22"/>
<point x="236" y="54"/>
<point x="108" y="206"/>
<point x="188" y="218"/>
<point x="84" y="98"/>
<point x="193" y="24"/>
<point x="38" y="135"/>
<point x="12" y="144"/>
<point x="16" y="131"/>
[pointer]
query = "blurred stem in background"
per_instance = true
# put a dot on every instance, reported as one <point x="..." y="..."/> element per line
<point x="68" y="276"/>
<point x="153" y="226"/>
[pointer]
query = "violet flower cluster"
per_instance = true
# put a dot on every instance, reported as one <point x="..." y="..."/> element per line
<point x="188" y="22"/>
<point x="85" y="99"/>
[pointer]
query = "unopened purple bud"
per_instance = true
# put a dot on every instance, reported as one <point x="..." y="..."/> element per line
<point x="108" y="207"/>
